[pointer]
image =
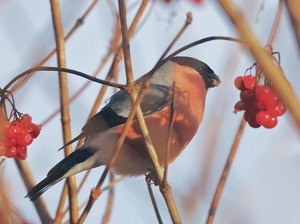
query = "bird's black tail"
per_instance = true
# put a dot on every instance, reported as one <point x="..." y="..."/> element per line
<point x="44" y="185"/>
<point x="63" y="169"/>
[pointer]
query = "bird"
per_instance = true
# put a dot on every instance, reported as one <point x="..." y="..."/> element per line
<point x="181" y="81"/>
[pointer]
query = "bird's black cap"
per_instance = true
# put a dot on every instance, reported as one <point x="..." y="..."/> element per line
<point x="210" y="78"/>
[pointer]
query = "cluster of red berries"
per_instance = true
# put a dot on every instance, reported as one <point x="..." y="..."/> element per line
<point x="260" y="103"/>
<point x="16" y="135"/>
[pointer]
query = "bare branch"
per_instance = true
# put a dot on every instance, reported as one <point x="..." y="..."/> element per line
<point x="39" y="204"/>
<point x="169" y="136"/>
<point x="165" y="189"/>
<point x="188" y="21"/>
<point x="64" y="102"/>
<point x="293" y="7"/>
<point x="95" y="193"/>
<point x="225" y="172"/>
<point x="110" y="200"/>
<point x="153" y="201"/>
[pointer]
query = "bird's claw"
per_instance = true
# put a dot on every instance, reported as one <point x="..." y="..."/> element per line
<point x="151" y="177"/>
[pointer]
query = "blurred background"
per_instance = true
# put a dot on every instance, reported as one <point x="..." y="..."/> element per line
<point x="264" y="182"/>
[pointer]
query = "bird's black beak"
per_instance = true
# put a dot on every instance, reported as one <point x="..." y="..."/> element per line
<point x="212" y="80"/>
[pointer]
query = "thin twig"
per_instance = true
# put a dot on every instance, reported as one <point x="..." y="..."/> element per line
<point x="276" y="22"/>
<point x="78" y="23"/>
<point x="64" y="102"/>
<point x="225" y="173"/>
<point x="108" y="210"/>
<point x="59" y="214"/>
<point x="118" y="58"/>
<point x="293" y="7"/>
<point x="210" y="143"/>
<point x="112" y="48"/>
<point x="113" y="44"/>
<point x="81" y="89"/>
<point x="125" y="45"/>
<point x="272" y="71"/>
<point x="2" y="161"/>
<point x="170" y="129"/>
<point x="111" y="74"/>
<point x="67" y="70"/>
<point x="195" y="43"/>
<point x="40" y="204"/>
<point x="97" y="190"/>
<point x="188" y="21"/>
<point x="153" y="201"/>
<point x="165" y="189"/>
<point x="108" y="187"/>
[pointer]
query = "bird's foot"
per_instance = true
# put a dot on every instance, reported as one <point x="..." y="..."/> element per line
<point x="151" y="177"/>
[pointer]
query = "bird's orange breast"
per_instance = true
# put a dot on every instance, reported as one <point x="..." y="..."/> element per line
<point x="189" y="101"/>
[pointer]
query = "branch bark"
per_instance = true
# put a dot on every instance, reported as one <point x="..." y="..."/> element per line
<point x="111" y="75"/>
<point x="109" y="206"/>
<point x="96" y="192"/>
<point x="293" y="7"/>
<point x="223" y="178"/>
<point x="64" y="102"/>
<point x="165" y="189"/>
<point x="39" y="204"/>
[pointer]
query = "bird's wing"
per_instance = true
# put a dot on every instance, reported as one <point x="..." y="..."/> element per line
<point x="117" y="110"/>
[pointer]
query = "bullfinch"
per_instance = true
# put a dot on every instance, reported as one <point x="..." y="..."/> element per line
<point x="191" y="79"/>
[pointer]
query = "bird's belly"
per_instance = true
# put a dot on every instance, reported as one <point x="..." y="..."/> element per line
<point x="129" y="161"/>
<point x="185" y="126"/>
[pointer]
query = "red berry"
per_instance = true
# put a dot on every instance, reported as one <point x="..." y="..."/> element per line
<point x="262" y="117"/>
<point x="262" y="92"/>
<point x="249" y="82"/>
<point x="281" y="109"/>
<point x="12" y="131"/>
<point x="197" y="1"/>
<point x="252" y="122"/>
<point x="239" y="106"/>
<point x="278" y="110"/>
<point x="34" y="130"/>
<point x="10" y="142"/>
<point x="272" y="123"/>
<point x="11" y="152"/>
<point x="247" y="96"/>
<point x="24" y="139"/>
<point x="248" y="116"/>
<point x="21" y="153"/>
<point x="260" y="105"/>
<point x="239" y="82"/>
<point x="271" y="100"/>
